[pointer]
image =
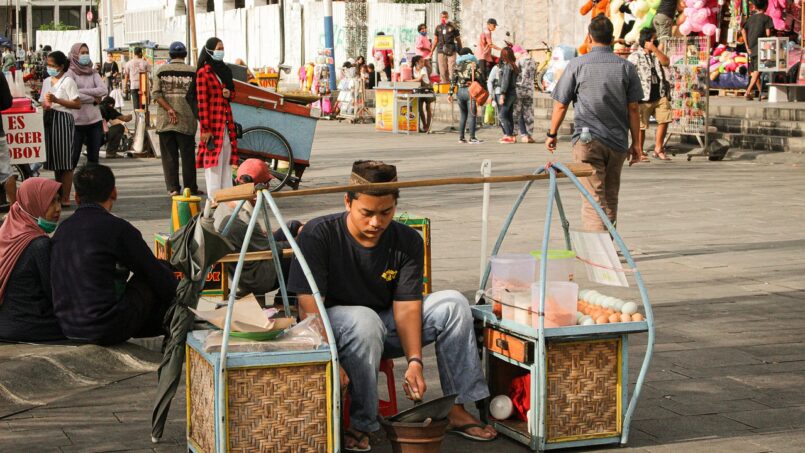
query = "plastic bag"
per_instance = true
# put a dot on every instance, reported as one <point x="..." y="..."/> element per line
<point x="489" y="115"/>
<point x="304" y="336"/>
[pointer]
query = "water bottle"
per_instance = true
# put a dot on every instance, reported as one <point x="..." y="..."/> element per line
<point x="585" y="137"/>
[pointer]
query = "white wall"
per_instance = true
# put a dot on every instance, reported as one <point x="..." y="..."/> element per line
<point x="64" y="40"/>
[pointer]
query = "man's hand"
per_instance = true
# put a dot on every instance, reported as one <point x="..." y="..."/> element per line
<point x="550" y="144"/>
<point x="172" y="119"/>
<point x="635" y="155"/>
<point x="502" y="99"/>
<point x="414" y="384"/>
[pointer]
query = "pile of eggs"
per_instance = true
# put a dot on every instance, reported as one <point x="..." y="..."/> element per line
<point x="596" y="308"/>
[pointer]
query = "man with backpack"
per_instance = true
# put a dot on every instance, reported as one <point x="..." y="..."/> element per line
<point x="176" y="123"/>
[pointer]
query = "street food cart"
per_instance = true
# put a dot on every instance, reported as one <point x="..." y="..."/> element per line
<point x="276" y="130"/>
<point x="397" y="106"/>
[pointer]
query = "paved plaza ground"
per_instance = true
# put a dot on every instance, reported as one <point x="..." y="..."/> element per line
<point x="721" y="246"/>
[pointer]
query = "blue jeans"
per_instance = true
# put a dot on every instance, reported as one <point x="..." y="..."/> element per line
<point x="467" y="107"/>
<point x="507" y="114"/>
<point x="363" y="336"/>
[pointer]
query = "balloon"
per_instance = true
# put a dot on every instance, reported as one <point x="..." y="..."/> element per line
<point x="501" y="407"/>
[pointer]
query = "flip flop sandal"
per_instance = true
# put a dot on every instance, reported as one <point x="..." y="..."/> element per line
<point x="358" y="438"/>
<point x="462" y="431"/>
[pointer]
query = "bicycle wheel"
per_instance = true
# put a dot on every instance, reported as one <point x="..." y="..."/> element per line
<point x="270" y="146"/>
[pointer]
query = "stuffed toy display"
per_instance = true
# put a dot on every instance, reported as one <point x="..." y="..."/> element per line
<point x="700" y="16"/>
<point x="596" y="7"/>
<point x="776" y="10"/>
<point x="616" y="16"/>
<point x="728" y="68"/>
<point x="643" y="11"/>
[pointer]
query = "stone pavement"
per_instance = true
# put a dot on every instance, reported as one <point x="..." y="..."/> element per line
<point x="720" y="245"/>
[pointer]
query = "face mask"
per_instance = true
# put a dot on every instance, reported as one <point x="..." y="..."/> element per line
<point x="84" y="60"/>
<point x="53" y="72"/>
<point x="218" y="55"/>
<point x="444" y="21"/>
<point x="423" y="33"/>
<point x="46" y="225"/>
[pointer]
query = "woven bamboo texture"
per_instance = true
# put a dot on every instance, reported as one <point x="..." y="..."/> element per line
<point x="278" y="409"/>
<point x="582" y="390"/>
<point x="201" y="403"/>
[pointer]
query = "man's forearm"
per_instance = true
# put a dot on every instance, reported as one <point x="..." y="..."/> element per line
<point x="307" y="305"/>
<point x="634" y="123"/>
<point x="408" y="319"/>
<point x="557" y="117"/>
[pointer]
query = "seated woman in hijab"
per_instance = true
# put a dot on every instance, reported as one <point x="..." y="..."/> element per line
<point x="26" y="309"/>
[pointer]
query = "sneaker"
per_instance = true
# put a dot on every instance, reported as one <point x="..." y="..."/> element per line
<point x="475" y="141"/>
<point x="508" y="140"/>
<point x="461" y="140"/>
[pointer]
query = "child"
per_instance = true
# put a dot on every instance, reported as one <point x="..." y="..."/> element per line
<point x="758" y="25"/>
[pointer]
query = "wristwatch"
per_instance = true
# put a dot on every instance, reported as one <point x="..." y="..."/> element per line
<point x="550" y="135"/>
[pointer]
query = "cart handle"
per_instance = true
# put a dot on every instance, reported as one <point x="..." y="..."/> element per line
<point x="263" y="100"/>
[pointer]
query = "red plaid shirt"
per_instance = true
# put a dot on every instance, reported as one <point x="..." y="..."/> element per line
<point x="214" y="113"/>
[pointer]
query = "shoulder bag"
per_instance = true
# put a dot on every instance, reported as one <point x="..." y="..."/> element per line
<point x="478" y="92"/>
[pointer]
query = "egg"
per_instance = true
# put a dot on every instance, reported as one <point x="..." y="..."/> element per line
<point x="618" y="305"/>
<point x="579" y="315"/>
<point x="583" y="293"/>
<point x="629" y="308"/>
<point x="601" y="320"/>
<point x="625" y="317"/>
<point x="501" y="407"/>
<point x="637" y="317"/>
<point x="614" y="318"/>
<point x="590" y="294"/>
<point x="586" y="321"/>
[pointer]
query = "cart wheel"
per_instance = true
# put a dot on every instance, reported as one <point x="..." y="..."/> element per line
<point x="265" y="143"/>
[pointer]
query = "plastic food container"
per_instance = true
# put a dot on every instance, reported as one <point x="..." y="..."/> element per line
<point x="517" y="307"/>
<point x="511" y="273"/>
<point x="561" y="304"/>
<point x="560" y="265"/>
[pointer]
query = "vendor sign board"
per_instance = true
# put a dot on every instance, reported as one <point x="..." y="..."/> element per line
<point x="385" y="115"/>
<point x="217" y="283"/>
<point x="384" y="42"/>
<point x="25" y="134"/>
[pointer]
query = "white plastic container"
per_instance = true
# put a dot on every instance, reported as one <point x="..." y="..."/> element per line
<point x="511" y="273"/>
<point x="561" y="265"/>
<point x="517" y="307"/>
<point x="561" y="304"/>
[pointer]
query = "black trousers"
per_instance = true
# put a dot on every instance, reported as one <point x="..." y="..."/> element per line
<point x="174" y="145"/>
<point x="92" y="136"/>
<point x="113" y="137"/>
<point x="142" y="314"/>
<point x="135" y="98"/>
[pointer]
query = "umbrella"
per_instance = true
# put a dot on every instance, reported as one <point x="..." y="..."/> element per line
<point x="196" y="247"/>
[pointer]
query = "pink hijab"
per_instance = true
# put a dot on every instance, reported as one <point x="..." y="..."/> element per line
<point x="20" y="228"/>
<point x="77" y="67"/>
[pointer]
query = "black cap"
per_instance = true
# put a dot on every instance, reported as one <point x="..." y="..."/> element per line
<point x="492" y="21"/>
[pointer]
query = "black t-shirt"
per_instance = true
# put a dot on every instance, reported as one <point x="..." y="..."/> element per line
<point x="348" y="273"/>
<point x="447" y="34"/>
<point x="756" y="27"/>
<point x="109" y="114"/>
<point x="667" y="8"/>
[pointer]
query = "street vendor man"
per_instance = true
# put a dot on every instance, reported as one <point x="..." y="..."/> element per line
<point x="368" y="269"/>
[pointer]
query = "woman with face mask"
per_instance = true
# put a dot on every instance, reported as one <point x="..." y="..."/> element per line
<point x="60" y="99"/>
<point x="91" y="89"/>
<point x="26" y="309"/>
<point x="217" y="149"/>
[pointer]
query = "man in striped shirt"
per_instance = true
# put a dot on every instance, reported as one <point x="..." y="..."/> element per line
<point x="605" y="91"/>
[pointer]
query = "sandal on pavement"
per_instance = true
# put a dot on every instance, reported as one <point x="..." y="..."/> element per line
<point x="661" y="156"/>
<point x="358" y="437"/>
<point x="462" y="431"/>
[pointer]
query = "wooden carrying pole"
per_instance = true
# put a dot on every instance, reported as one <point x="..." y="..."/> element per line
<point x="246" y="191"/>
<point x="191" y="30"/>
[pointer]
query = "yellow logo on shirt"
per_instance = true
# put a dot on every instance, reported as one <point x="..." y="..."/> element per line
<point x="389" y="275"/>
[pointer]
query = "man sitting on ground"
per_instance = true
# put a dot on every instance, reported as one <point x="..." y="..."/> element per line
<point x="93" y="254"/>
<point x="257" y="277"/>
<point x="369" y="269"/>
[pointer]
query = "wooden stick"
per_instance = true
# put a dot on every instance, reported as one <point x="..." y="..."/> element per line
<point x="255" y="256"/>
<point x="580" y="170"/>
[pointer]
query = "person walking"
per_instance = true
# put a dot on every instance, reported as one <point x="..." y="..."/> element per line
<point x="91" y="90"/>
<point x="508" y="74"/>
<point x="424" y="48"/>
<point x="132" y="71"/>
<point x="110" y="71"/>
<point x="651" y="62"/>
<point x="60" y="100"/>
<point x="664" y="19"/>
<point x="605" y="90"/>
<point x="466" y="71"/>
<point x="176" y="125"/>
<point x="447" y="42"/>
<point x="485" y="46"/>
<point x="759" y="25"/>
<point x="217" y="148"/>
<point x="524" y="104"/>
<point x="20" y="57"/>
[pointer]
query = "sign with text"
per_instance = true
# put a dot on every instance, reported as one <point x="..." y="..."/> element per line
<point x="25" y="133"/>
<point x="384" y="42"/>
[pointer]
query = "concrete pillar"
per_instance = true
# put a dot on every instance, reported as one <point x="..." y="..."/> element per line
<point x="83" y="15"/>
<point x="29" y="26"/>
<point x="56" y="17"/>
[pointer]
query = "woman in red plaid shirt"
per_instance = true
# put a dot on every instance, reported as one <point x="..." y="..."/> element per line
<point x="214" y="89"/>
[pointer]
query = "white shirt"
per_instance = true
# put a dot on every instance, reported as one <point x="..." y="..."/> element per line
<point x="65" y="88"/>
<point x="424" y="73"/>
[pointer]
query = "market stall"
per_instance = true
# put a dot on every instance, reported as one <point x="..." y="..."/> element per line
<point x="397" y="106"/>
